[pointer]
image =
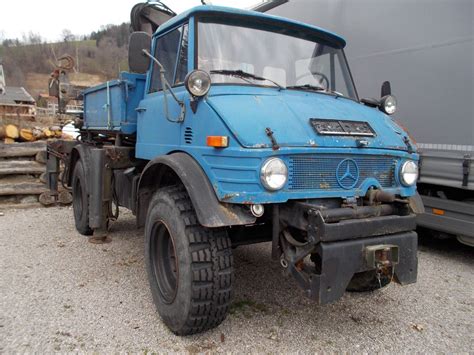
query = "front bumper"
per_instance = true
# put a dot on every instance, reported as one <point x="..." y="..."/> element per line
<point x="339" y="238"/>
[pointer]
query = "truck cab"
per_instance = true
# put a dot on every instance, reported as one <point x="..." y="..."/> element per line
<point x="235" y="127"/>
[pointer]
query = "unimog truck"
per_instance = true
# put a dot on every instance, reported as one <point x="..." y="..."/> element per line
<point x="235" y="127"/>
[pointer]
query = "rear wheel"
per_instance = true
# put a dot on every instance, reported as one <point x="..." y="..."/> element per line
<point x="80" y="200"/>
<point x="189" y="266"/>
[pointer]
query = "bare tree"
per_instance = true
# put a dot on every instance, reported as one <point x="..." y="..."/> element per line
<point x="67" y="35"/>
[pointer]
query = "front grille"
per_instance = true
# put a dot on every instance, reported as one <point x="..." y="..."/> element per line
<point x="307" y="172"/>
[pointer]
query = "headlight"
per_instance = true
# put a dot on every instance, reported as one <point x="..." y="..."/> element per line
<point x="274" y="174"/>
<point x="198" y="83"/>
<point x="388" y="104"/>
<point x="409" y="173"/>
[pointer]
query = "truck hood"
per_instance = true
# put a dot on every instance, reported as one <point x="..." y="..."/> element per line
<point x="249" y="111"/>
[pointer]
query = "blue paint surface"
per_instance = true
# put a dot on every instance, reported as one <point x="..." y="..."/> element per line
<point x="123" y="96"/>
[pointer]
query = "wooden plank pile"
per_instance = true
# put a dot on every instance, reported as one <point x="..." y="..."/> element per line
<point x="23" y="175"/>
<point x="11" y="133"/>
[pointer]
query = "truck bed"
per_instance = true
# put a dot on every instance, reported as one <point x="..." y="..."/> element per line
<point x="111" y="106"/>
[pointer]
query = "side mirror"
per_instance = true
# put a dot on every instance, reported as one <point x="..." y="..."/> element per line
<point x="386" y="89"/>
<point x="137" y="61"/>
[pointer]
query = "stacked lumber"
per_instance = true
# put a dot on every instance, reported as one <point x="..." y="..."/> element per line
<point x="11" y="133"/>
<point x="23" y="175"/>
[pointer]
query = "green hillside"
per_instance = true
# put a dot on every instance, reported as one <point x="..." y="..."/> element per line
<point x="103" y="53"/>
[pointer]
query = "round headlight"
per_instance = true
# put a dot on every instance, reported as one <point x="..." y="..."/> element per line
<point x="388" y="104"/>
<point x="409" y="173"/>
<point x="198" y="83"/>
<point x="274" y="174"/>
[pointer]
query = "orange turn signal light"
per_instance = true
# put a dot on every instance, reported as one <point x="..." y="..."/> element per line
<point x="438" y="212"/>
<point x="217" y="141"/>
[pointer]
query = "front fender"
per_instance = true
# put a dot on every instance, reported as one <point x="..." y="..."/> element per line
<point x="210" y="212"/>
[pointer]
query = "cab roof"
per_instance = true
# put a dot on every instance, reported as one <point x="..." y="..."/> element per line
<point x="258" y="20"/>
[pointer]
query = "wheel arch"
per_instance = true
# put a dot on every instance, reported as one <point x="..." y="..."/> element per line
<point x="180" y="167"/>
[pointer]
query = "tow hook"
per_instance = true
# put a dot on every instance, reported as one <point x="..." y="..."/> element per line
<point x="382" y="258"/>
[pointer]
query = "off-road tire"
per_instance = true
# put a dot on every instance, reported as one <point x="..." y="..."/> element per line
<point x="203" y="260"/>
<point x="80" y="200"/>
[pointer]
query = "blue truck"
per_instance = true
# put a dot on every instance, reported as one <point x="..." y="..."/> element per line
<point x="234" y="127"/>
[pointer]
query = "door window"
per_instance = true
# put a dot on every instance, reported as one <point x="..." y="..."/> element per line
<point x="182" y="66"/>
<point x="167" y="51"/>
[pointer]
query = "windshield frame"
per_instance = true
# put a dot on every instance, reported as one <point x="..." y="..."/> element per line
<point x="241" y="21"/>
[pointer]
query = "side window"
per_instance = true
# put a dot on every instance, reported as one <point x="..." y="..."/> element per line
<point x="166" y="52"/>
<point x="182" y="66"/>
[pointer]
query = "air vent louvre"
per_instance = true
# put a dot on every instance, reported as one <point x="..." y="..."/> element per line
<point x="188" y="135"/>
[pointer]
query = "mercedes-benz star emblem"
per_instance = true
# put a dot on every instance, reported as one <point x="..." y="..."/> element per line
<point x="347" y="174"/>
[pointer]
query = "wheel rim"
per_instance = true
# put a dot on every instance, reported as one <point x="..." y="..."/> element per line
<point x="77" y="198"/>
<point x="164" y="262"/>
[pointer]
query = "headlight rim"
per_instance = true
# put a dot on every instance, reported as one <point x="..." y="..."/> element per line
<point x="383" y="102"/>
<point x="263" y="168"/>
<point x="402" y="172"/>
<point x="189" y="77"/>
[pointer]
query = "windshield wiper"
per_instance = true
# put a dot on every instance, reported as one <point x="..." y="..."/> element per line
<point x="244" y="75"/>
<point x="310" y="87"/>
<point x="307" y="87"/>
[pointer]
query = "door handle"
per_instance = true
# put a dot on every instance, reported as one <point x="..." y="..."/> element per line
<point x="140" y="109"/>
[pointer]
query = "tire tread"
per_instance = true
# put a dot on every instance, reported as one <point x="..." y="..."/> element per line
<point x="212" y="266"/>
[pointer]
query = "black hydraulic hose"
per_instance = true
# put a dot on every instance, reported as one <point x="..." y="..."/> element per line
<point x="142" y="14"/>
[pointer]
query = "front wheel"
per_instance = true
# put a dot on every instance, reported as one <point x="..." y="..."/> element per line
<point x="190" y="267"/>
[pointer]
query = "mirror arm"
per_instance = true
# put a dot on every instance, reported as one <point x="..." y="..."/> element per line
<point x="167" y="87"/>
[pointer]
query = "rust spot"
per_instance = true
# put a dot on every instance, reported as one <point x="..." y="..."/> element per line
<point x="299" y="265"/>
<point x="228" y="197"/>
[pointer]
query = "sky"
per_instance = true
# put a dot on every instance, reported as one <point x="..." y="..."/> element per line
<point x="50" y="17"/>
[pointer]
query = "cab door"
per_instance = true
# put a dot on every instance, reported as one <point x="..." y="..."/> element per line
<point x="158" y="131"/>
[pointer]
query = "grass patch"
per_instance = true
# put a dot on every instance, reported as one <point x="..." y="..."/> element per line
<point x="247" y="308"/>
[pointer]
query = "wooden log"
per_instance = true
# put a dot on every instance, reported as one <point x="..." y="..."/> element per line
<point x="8" y="141"/>
<point x="26" y="135"/>
<point x="41" y="157"/>
<point x="37" y="133"/>
<point x="9" y="167"/>
<point x="2" y="132"/>
<point x="9" y="131"/>
<point x="57" y="131"/>
<point x="43" y="178"/>
<point x="65" y="197"/>
<point x="22" y="188"/>
<point x="22" y="149"/>
<point x="46" y="198"/>
<point x="47" y="133"/>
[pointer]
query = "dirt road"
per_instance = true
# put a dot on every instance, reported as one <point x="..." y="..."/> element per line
<point x="61" y="293"/>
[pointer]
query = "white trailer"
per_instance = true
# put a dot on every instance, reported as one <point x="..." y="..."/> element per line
<point x="425" y="49"/>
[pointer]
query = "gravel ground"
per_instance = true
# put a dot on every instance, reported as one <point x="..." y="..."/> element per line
<point x="61" y="293"/>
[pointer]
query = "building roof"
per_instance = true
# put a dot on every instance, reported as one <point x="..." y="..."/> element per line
<point x="15" y="95"/>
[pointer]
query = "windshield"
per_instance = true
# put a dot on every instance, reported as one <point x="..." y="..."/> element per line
<point x="292" y="62"/>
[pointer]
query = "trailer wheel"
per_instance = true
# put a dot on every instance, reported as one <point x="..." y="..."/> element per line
<point x="80" y="200"/>
<point x="189" y="266"/>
